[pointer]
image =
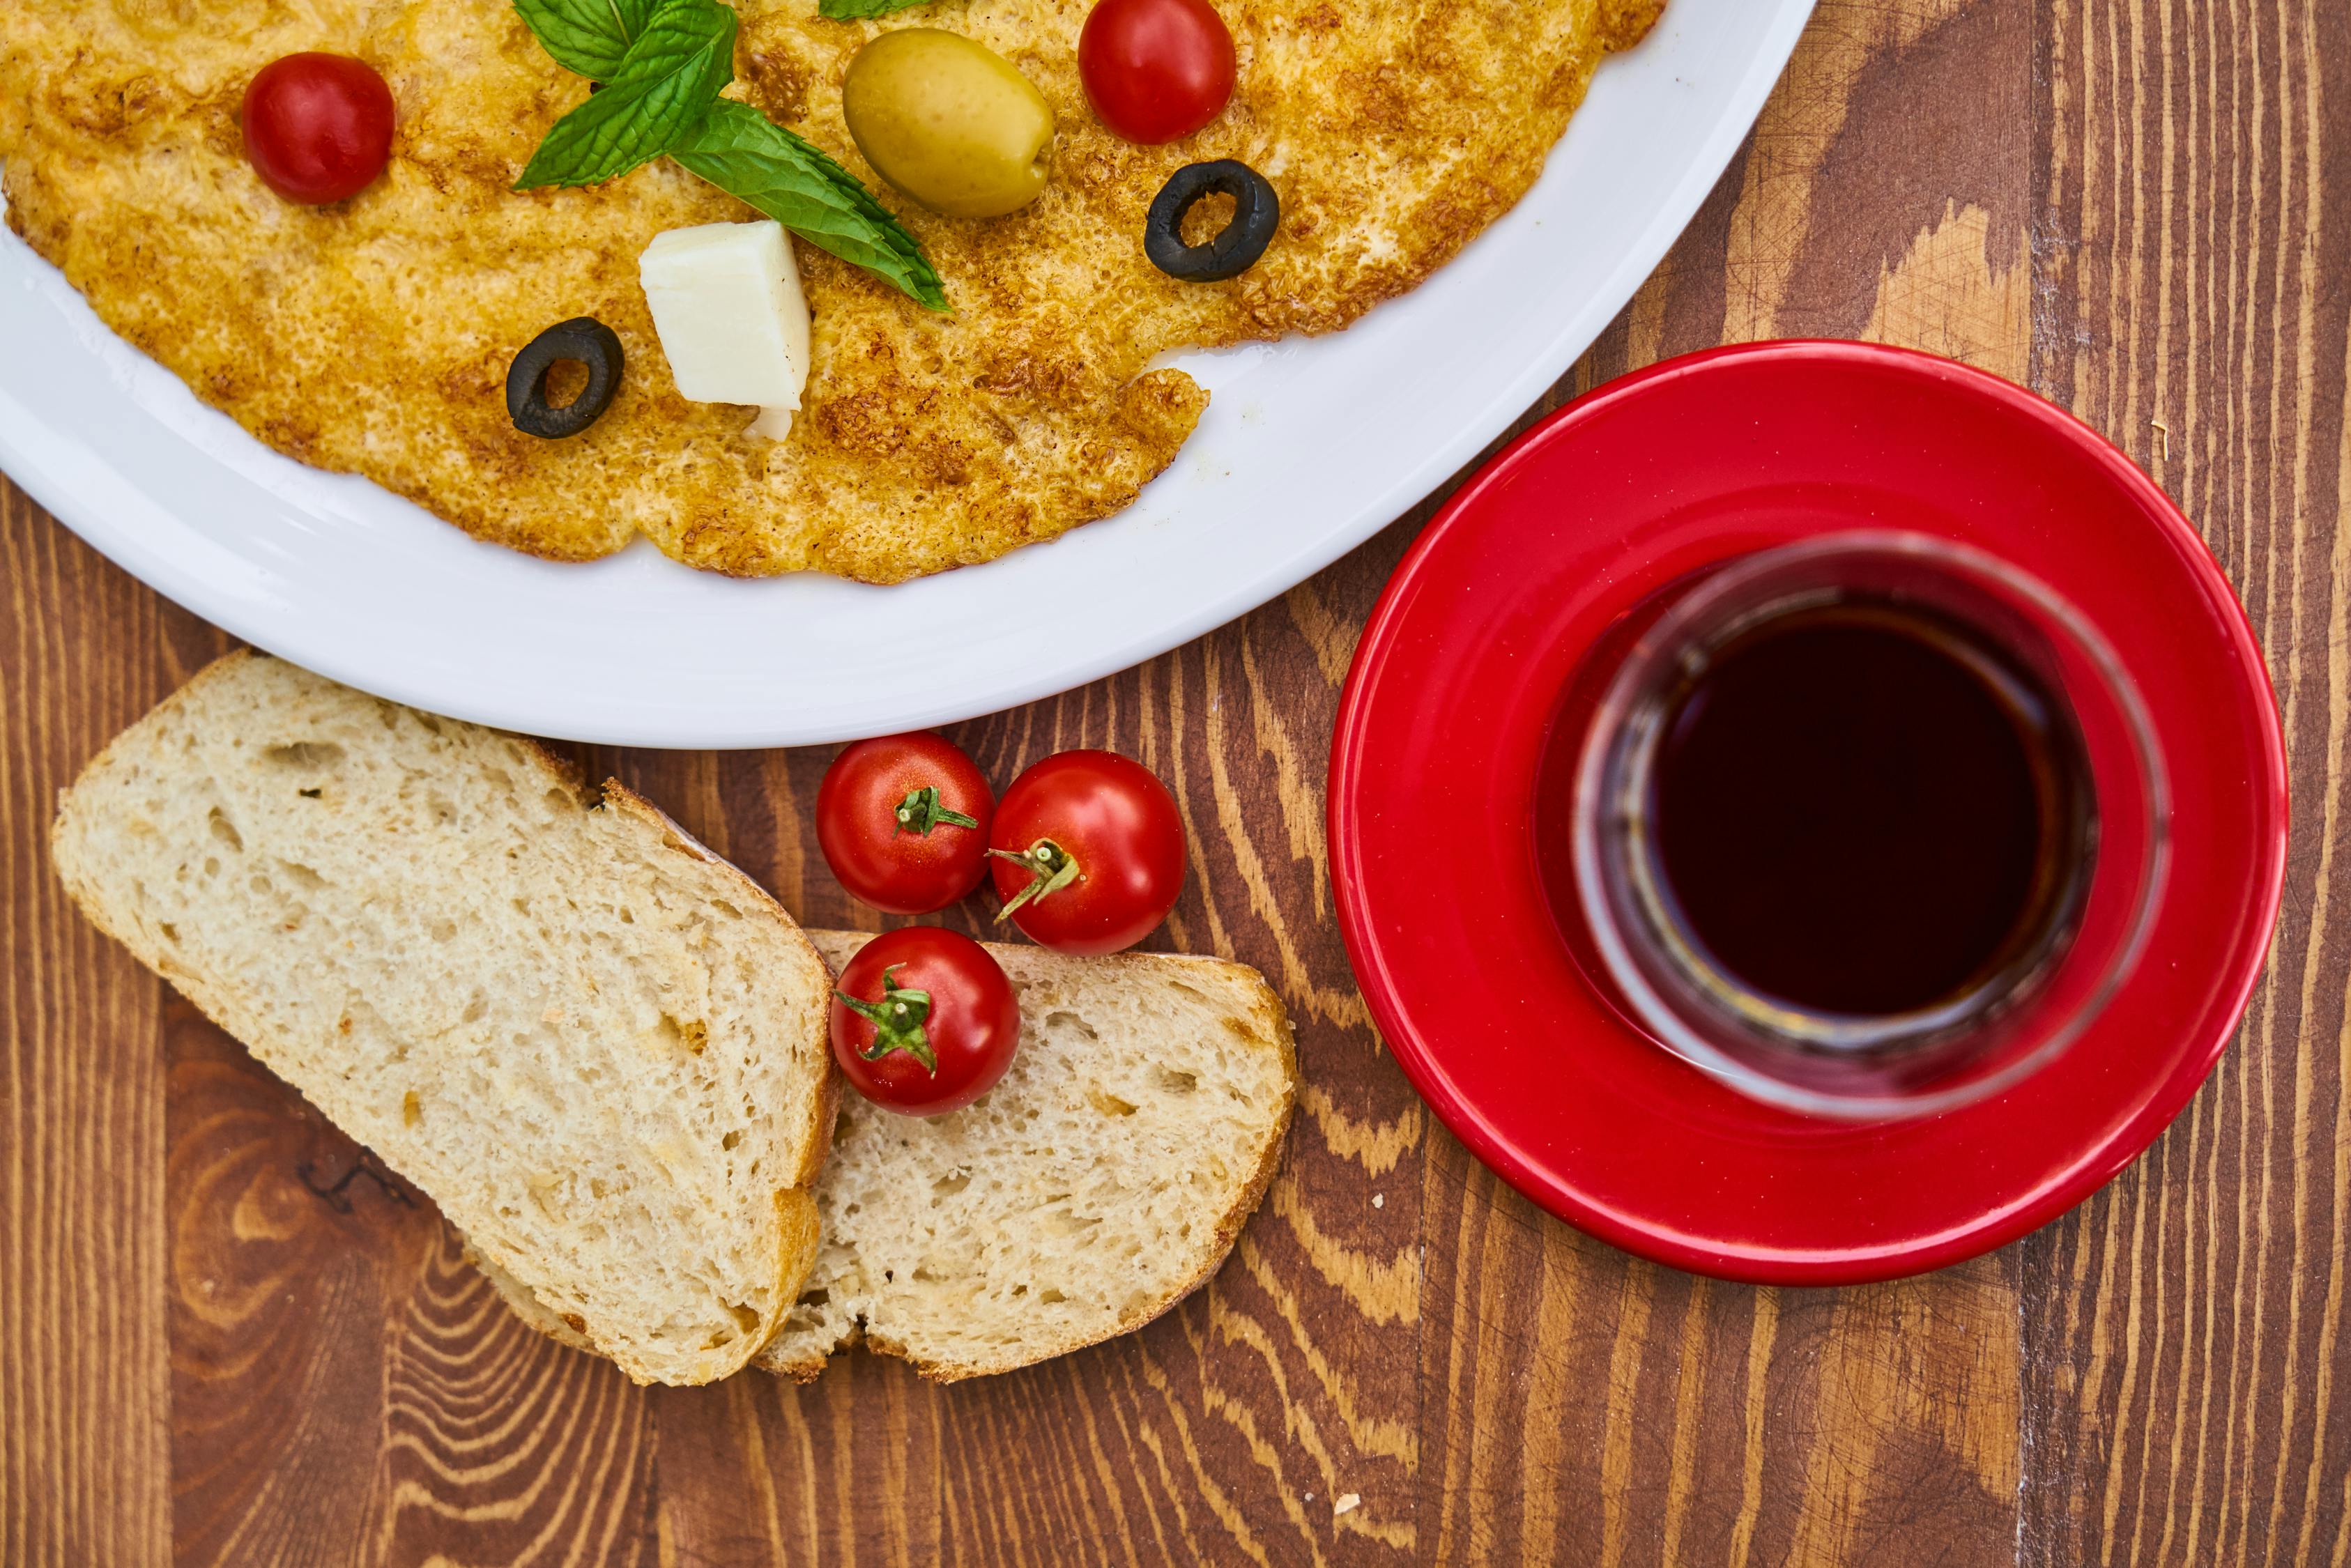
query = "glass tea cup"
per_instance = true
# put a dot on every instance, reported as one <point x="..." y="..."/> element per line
<point x="2099" y="856"/>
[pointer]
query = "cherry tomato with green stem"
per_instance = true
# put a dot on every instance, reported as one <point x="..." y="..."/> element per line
<point x="316" y="127"/>
<point x="1157" y="70"/>
<point x="924" y="1021"/>
<point x="904" y="820"/>
<point x="1087" y="851"/>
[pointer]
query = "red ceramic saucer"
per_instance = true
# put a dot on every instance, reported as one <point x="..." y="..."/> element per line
<point x="1440" y="739"/>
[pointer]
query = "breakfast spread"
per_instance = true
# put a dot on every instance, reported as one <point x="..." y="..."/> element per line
<point x="1807" y="855"/>
<point x="603" y="1053"/>
<point x="1003" y="215"/>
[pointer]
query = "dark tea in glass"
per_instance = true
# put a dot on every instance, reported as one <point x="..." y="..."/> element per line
<point x="1841" y="815"/>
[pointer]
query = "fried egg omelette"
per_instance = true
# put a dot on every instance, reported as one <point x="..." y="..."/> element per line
<point x="374" y="336"/>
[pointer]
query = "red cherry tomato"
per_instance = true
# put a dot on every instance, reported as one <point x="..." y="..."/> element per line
<point x="903" y="821"/>
<point x="1087" y="851"/>
<point x="318" y="128"/>
<point x="930" y="1024"/>
<point x="1156" y="69"/>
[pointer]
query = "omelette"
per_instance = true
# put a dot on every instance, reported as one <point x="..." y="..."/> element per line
<point x="374" y="336"/>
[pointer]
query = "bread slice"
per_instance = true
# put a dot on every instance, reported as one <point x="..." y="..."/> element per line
<point x="1103" y="1178"/>
<point x="600" y="1048"/>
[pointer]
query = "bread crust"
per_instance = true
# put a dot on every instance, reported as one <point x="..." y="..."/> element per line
<point x="815" y="1138"/>
<point x="209" y="1001"/>
<point x="1270" y="1013"/>
<point x="234" y="1011"/>
<point x="799" y="1230"/>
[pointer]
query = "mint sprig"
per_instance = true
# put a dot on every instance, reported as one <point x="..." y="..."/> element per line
<point x="588" y="37"/>
<point x="666" y="82"/>
<point x="794" y="182"/>
<point x="662" y="65"/>
<point x="863" y="10"/>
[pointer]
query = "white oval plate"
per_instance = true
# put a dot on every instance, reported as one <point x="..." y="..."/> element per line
<point x="1307" y="449"/>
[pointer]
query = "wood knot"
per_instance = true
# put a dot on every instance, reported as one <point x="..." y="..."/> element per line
<point x="336" y="1194"/>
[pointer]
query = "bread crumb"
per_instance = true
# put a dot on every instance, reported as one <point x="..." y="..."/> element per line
<point x="1347" y="1504"/>
<point x="552" y="1015"/>
<point x="1379" y="1200"/>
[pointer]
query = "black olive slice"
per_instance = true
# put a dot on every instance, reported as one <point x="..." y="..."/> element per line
<point x="585" y="341"/>
<point x="1257" y="212"/>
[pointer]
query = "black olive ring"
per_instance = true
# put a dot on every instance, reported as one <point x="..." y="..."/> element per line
<point x="585" y="341"/>
<point x="1257" y="212"/>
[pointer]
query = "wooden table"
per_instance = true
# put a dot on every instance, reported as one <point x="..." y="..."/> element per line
<point x="224" y="1340"/>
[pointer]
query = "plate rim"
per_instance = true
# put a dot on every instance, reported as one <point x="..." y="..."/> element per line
<point x="75" y="488"/>
<point x="2153" y="1112"/>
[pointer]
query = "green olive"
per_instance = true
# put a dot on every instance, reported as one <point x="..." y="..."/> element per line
<point x="949" y="121"/>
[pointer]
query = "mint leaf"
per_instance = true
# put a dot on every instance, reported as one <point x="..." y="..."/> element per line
<point x="662" y="65"/>
<point x="667" y="80"/>
<point x="798" y="183"/>
<point x="590" y="38"/>
<point x="859" y="10"/>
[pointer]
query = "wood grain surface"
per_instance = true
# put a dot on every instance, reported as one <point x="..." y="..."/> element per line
<point x="227" y="1336"/>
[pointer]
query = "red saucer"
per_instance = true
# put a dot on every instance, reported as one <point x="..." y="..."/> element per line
<point x="1441" y="734"/>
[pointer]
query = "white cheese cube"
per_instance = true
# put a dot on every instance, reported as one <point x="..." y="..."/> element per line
<point x="727" y="302"/>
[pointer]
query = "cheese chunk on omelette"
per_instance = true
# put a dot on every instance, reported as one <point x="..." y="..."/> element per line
<point x="374" y="336"/>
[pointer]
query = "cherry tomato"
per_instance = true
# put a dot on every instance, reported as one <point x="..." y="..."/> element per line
<point x="318" y="128"/>
<point x="1087" y="851"/>
<point x="1156" y="69"/>
<point x="925" y="1021"/>
<point x="903" y="821"/>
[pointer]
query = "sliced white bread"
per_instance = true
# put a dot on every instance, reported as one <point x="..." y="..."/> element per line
<point x="1104" y="1177"/>
<point x="600" y="1048"/>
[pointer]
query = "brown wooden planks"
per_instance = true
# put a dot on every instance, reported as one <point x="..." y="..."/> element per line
<point x="83" y="1401"/>
<point x="2186" y="1387"/>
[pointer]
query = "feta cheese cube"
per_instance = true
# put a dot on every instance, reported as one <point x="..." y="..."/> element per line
<point x="728" y="305"/>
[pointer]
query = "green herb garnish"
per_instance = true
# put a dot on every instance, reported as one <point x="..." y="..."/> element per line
<point x="862" y="10"/>
<point x="660" y="66"/>
<point x="590" y="38"/>
<point x="669" y="78"/>
<point x="790" y="179"/>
